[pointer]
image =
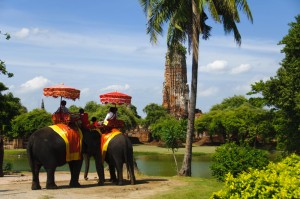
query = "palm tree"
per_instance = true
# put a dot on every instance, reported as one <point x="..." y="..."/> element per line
<point x="187" y="21"/>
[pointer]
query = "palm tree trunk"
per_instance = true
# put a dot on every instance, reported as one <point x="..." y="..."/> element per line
<point x="186" y="169"/>
<point x="1" y="156"/>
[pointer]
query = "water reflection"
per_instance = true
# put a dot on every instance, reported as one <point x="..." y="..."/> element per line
<point x="164" y="165"/>
<point x="152" y="165"/>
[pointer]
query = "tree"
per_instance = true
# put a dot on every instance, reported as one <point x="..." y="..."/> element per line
<point x="231" y="102"/>
<point x="172" y="132"/>
<point x="282" y="92"/>
<point x="236" y="119"/>
<point x="187" y="22"/>
<point x="2" y="63"/>
<point x="154" y="113"/>
<point x="10" y="107"/>
<point x="27" y="123"/>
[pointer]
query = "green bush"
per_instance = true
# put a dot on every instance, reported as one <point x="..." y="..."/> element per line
<point x="280" y="180"/>
<point x="234" y="159"/>
<point x="8" y="167"/>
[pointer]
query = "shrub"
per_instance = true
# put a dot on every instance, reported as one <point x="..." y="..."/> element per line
<point x="280" y="180"/>
<point x="234" y="159"/>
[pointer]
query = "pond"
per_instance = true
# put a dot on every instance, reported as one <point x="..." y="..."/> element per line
<point x="152" y="165"/>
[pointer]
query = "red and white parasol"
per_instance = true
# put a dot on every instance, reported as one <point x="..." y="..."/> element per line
<point x="115" y="98"/>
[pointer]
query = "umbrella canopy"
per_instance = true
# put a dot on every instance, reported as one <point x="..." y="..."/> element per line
<point x="115" y="98"/>
<point x="60" y="90"/>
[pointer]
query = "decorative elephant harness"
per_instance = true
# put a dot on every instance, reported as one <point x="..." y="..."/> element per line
<point x="105" y="139"/>
<point x="73" y="140"/>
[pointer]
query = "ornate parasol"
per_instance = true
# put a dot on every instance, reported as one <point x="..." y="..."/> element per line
<point x="115" y="98"/>
<point x="60" y="90"/>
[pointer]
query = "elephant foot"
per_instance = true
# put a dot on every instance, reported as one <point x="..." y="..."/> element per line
<point x="100" y="183"/>
<point x="51" y="186"/>
<point x="75" y="184"/>
<point x="113" y="180"/>
<point x="132" y="182"/>
<point x="35" y="186"/>
<point x="120" y="183"/>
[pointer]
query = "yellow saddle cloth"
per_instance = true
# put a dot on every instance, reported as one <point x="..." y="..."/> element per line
<point x="105" y="139"/>
<point x="72" y="138"/>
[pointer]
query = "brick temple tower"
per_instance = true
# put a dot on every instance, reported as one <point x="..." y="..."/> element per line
<point x="175" y="88"/>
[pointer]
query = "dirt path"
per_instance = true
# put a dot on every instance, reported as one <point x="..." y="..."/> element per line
<point x="19" y="186"/>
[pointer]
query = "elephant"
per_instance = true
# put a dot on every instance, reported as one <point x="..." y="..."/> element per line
<point x="48" y="149"/>
<point x="119" y="151"/>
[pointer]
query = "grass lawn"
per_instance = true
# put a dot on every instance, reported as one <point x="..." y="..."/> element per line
<point x="200" y="188"/>
<point x="144" y="148"/>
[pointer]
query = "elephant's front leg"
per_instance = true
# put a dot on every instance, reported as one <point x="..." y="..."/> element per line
<point x="50" y="184"/>
<point x="75" y="167"/>
<point x="99" y="168"/>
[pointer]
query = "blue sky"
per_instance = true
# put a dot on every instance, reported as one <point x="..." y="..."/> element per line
<point x="102" y="46"/>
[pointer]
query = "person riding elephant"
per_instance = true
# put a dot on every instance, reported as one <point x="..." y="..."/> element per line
<point x="52" y="147"/>
<point x="115" y="153"/>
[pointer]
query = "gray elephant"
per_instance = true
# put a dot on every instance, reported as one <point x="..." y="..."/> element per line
<point x="48" y="149"/>
<point x="119" y="151"/>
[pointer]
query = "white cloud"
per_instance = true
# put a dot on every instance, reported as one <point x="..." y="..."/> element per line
<point x="34" y="84"/>
<point x="27" y="32"/>
<point x="243" y="89"/>
<point x="116" y="87"/>
<point x="215" y="67"/>
<point x="208" y="92"/>
<point x="240" y="69"/>
<point x="23" y="33"/>
<point x="85" y="90"/>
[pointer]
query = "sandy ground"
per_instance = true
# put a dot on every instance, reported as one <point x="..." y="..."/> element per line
<point x="19" y="186"/>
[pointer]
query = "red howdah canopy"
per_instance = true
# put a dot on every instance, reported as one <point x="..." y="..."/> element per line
<point x="60" y="90"/>
<point x="115" y="98"/>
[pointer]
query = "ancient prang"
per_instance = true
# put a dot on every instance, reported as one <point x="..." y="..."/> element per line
<point x="175" y="87"/>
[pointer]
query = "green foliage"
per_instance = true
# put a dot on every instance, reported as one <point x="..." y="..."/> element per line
<point x="170" y="130"/>
<point x="25" y="124"/>
<point x="10" y="107"/>
<point x="230" y="103"/>
<point x="282" y="92"/>
<point x="236" y="159"/>
<point x="8" y="167"/>
<point x="154" y="113"/>
<point x="280" y="180"/>
<point x="235" y="118"/>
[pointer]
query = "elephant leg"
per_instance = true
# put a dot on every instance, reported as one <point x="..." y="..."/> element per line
<point x="87" y="165"/>
<point x="50" y="184"/>
<point x="119" y="167"/>
<point x="112" y="173"/>
<point x="75" y="167"/>
<point x="100" y="170"/>
<point x="35" y="177"/>
<point x="120" y="174"/>
<point x="130" y="170"/>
